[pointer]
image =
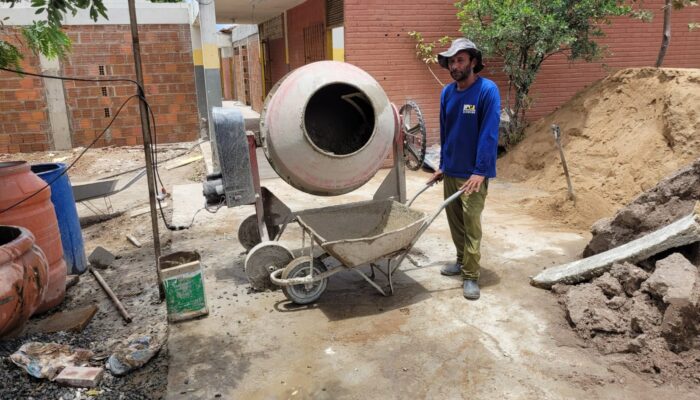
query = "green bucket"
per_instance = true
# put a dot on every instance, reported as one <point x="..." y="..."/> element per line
<point x="182" y="278"/>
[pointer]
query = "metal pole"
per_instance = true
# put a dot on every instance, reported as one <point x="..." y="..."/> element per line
<point x="146" y="131"/>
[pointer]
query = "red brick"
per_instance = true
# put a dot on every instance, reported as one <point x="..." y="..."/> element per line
<point x="80" y="376"/>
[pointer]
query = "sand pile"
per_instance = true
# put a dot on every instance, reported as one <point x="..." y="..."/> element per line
<point x="650" y="320"/>
<point x="620" y="137"/>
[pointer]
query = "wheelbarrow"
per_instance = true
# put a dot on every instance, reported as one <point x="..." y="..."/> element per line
<point x="357" y="234"/>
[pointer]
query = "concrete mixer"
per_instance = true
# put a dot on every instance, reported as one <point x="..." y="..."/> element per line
<point x="326" y="128"/>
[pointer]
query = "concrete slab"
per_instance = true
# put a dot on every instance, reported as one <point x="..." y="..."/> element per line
<point x="680" y="233"/>
<point x="101" y="257"/>
<point x="69" y="321"/>
<point x="188" y="200"/>
<point x="250" y="116"/>
<point x="205" y="148"/>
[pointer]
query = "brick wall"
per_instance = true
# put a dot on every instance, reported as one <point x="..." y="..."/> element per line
<point x="309" y="13"/>
<point x="168" y="78"/>
<point x="376" y="40"/>
<point x="255" y="68"/>
<point x="24" y="125"/>
<point x="226" y="79"/>
<point x="247" y="72"/>
<point x="278" y="65"/>
<point x="238" y="72"/>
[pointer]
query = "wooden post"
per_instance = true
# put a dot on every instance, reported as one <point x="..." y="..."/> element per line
<point x="557" y="137"/>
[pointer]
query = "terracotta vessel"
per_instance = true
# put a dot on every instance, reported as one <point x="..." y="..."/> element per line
<point x="17" y="182"/>
<point x="23" y="273"/>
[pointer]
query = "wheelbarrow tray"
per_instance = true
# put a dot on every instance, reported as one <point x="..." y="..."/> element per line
<point x="359" y="233"/>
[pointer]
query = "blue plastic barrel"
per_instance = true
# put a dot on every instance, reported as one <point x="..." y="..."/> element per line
<point x="66" y="214"/>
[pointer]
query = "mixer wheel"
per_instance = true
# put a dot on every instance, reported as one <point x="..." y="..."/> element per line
<point x="414" y="135"/>
<point x="299" y="268"/>
<point x="248" y="234"/>
<point x="264" y="259"/>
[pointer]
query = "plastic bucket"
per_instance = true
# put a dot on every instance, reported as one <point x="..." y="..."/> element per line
<point x="66" y="214"/>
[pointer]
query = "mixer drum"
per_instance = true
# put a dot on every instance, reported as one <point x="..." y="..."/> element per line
<point x="327" y="127"/>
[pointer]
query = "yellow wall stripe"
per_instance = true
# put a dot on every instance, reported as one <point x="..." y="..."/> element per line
<point x="197" y="56"/>
<point x="210" y="56"/>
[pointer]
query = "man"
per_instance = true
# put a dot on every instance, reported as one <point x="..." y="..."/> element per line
<point x="469" y="117"/>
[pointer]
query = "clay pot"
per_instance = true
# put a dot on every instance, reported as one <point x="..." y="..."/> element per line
<point x="23" y="273"/>
<point x="327" y="127"/>
<point x="37" y="214"/>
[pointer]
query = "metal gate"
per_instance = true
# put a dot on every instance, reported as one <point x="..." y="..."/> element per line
<point x="314" y="43"/>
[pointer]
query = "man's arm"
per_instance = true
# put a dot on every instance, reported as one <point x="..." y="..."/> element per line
<point x="487" y="145"/>
<point x="437" y="176"/>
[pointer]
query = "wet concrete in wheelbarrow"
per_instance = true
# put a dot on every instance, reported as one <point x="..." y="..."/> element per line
<point x="425" y="341"/>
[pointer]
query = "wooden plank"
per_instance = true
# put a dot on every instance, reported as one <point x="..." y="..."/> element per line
<point x="184" y="162"/>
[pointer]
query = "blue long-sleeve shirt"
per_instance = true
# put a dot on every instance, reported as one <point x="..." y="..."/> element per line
<point x="469" y="129"/>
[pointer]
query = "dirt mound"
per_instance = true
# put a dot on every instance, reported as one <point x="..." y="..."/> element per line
<point x="673" y="197"/>
<point x="620" y="136"/>
<point x="651" y="321"/>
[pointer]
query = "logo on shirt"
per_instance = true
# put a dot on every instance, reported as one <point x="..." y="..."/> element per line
<point x="469" y="109"/>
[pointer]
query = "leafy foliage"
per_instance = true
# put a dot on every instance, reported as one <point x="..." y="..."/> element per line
<point x="425" y="51"/>
<point x="49" y="40"/>
<point x="524" y="33"/>
<point x="9" y="55"/>
<point x="55" y="9"/>
<point x="46" y="37"/>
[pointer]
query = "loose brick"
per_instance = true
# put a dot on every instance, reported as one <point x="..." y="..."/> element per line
<point x="69" y="321"/>
<point x="80" y="376"/>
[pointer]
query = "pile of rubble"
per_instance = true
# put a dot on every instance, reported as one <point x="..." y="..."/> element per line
<point x="646" y="314"/>
<point x="650" y="318"/>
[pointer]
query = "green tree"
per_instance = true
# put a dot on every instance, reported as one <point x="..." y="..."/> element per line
<point x="45" y="36"/>
<point x="666" y="39"/>
<point x="524" y="33"/>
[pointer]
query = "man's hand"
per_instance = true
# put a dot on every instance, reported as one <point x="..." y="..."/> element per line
<point x="437" y="177"/>
<point x="473" y="184"/>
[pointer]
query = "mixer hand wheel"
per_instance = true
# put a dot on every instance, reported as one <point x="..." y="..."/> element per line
<point x="414" y="137"/>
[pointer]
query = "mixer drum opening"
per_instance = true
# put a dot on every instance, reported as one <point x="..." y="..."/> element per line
<point x="339" y="119"/>
<point x="327" y="127"/>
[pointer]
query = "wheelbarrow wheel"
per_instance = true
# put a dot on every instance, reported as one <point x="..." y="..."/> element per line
<point x="263" y="259"/>
<point x="248" y="234"/>
<point x="299" y="268"/>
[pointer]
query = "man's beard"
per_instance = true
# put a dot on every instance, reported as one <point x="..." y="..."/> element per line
<point x="460" y="75"/>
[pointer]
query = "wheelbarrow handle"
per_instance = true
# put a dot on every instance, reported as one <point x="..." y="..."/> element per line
<point x="425" y="226"/>
<point x="427" y="185"/>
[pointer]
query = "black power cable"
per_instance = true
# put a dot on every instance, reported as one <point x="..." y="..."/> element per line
<point x="98" y="137"/>
<point x="142" y="97"/>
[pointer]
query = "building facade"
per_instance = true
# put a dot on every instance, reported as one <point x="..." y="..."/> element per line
<point x="375" y="38"/>
<point x="39" y="114"/>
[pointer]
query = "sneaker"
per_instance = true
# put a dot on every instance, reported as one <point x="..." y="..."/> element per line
<point x="451" y="269"/>
<point x="471" y="289"/>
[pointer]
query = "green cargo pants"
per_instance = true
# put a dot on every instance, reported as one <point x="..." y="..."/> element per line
<point x="464" y="218"/>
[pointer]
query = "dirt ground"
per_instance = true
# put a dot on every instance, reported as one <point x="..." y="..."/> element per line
<point x="132" y="277"/>
<point x="620" y="137"/>
<point x="425" y="341"/>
